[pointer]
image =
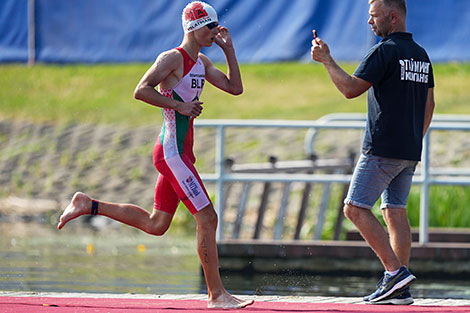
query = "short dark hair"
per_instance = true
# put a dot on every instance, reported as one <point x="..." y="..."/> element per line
<point x="398" y="4"/>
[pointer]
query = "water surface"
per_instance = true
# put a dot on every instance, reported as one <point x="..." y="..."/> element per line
<point x="39" y="258"/>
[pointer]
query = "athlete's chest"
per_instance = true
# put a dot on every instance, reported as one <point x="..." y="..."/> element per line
<point x="192" y="83"/>
<point x="195" y="77"/>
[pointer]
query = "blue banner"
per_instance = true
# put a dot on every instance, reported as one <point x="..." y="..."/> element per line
<point x="14" y="31"/>
<point x="92" y="31"/>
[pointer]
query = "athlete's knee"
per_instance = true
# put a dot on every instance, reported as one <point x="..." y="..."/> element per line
<point x="158" y="224"/>
<point x="207" y="218"/>
<point x="157" y="228"/>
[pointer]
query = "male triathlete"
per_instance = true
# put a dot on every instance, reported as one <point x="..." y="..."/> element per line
<point x="180" y="75"/>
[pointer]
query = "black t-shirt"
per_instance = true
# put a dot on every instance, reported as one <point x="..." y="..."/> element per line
<point x="401" y="74"/>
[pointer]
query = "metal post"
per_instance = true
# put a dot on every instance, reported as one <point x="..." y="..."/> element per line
<point x="424" y="199"/>
<point x="219" y="171"/>
<point x="241" y="210"/>
<point x="31" y="33"/>
<point x="279" y="227"/>
<point x="322" y="212"/>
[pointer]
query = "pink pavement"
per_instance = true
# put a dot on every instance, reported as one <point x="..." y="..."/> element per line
<point x="110" y="305"/>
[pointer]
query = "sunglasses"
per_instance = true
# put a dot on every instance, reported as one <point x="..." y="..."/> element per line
<point x="212" y="25"/>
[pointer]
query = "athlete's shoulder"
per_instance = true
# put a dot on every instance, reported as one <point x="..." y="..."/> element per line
<point x="204" y="59"/>
<point x="172" y="55"/>
<point x="168" y="61"/>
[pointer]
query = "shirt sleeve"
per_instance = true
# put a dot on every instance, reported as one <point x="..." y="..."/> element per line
<point x="373" y="66"/>
<point x="431" y="77"/>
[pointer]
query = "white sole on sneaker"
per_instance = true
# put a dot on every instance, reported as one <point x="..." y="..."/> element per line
<point x="400" y="285"/>
<point x="396" y="301"/>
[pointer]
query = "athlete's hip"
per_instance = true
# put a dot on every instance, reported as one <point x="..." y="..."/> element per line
<point x="163" y="152"/>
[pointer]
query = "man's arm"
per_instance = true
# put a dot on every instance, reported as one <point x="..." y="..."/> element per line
<point x="349" y="86"/>
<point x="232" y="82"/>
<point x="163" y="71"/>
<point x="429" y="110"/>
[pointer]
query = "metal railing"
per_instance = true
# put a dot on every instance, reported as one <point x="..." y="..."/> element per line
<point x="426" y="177"/>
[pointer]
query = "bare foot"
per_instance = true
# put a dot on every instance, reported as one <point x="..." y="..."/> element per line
<point x="227" y="301"/>
<point x="80" y="205"/>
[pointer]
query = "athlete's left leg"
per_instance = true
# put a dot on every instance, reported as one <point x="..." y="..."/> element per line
<point x="155" y="223"/>
<point x="207" y="248"/>
<point x="188" y="185"/>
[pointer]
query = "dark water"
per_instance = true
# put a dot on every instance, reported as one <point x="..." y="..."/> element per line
<point x="41" y="259"/>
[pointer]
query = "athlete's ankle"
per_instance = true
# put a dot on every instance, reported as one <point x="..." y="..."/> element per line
<point x="94" y="207"/>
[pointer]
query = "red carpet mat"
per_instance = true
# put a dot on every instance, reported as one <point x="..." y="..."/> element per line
<point x="111" y="305"/>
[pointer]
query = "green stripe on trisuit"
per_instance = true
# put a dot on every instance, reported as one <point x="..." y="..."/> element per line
<point x="182" y="125"/>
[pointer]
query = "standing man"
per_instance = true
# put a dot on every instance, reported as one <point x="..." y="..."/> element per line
<point x="180" y="75"/>
<point x="398" y="75"/>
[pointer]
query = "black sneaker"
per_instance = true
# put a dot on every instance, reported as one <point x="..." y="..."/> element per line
<point x="366" y="298"/>
<point x="402" y="297"/>
<point x="391" y="284"/>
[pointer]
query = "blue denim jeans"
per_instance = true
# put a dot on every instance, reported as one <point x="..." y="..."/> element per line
<point x="376" y="176"/>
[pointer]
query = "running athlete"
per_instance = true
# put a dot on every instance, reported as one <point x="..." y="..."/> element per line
<point x="180" y="75"/>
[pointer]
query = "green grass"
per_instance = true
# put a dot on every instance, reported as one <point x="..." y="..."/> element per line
<point x="447" y="206"/>
<point x="295" y="91"/>
<point x="104" y="93"/>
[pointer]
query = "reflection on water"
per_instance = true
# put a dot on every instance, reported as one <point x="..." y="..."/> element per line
<point x="76" y="260"/>
<point x="39" y="258"/>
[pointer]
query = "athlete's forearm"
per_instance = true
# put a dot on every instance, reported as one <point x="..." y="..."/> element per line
<point x="149" y="95"/>
<point x="233" y="71"/>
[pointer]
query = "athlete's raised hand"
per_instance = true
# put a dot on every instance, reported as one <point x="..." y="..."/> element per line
<point x="223" y="38"/>
<point x="190" y="108"/>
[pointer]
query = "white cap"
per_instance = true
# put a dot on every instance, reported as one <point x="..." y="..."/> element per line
<point x="196" y="15"/>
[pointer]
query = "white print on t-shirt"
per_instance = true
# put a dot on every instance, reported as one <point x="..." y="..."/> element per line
<point x="416" y="71"/>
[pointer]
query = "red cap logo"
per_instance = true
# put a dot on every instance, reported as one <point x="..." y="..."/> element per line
<point x="195" y="12"/>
